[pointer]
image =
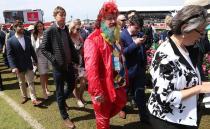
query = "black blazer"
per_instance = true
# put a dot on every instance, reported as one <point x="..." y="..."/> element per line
<point x="52" y="47"/>
<point x="18" y="57"/>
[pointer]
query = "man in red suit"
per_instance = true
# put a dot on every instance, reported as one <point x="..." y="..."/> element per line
<point x="104" y="63"/>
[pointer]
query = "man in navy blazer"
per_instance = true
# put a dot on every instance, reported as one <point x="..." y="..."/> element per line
<point x="134" y="50"/>
<point x="19" y="53"/>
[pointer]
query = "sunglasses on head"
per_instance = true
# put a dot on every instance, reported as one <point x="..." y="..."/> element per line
<point x="202" y="14"/>
<point x="199" y="32"/>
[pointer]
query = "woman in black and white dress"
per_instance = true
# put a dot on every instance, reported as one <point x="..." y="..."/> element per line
<point x="175" y="76"/>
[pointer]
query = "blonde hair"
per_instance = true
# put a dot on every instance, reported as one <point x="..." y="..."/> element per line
<point x="168" y="20"/>
<point x="73" y="24"/>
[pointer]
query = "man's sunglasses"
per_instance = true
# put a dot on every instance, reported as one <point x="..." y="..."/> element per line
<point x="123" y="20"/>
<point x="78" y="29"/>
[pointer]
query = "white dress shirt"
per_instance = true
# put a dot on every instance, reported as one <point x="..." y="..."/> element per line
<point x="21" y="41"/>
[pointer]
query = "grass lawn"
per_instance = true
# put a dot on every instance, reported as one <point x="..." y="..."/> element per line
<point x="48" y="115"/>
<point x="9" y="119"/>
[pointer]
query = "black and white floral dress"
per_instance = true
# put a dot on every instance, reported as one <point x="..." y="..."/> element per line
<point x="173" y="71"/>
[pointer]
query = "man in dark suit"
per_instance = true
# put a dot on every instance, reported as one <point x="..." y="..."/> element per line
<point x="134" y="50"/>
<point x="19" y="53"/>
<point x="58" y="48"/>
<point x="2" y="42"/>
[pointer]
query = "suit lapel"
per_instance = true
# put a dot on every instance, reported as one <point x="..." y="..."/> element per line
<point x="141" y="50"/>
<point x="27" y="47"/>
<point x="18" y="44"/>
<point x="129" y="37"/>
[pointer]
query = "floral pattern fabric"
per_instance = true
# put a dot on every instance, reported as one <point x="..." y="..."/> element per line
<point x="171" y="72"/>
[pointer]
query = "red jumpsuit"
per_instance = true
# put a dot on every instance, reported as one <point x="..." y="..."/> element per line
<point x="99" y="68"/>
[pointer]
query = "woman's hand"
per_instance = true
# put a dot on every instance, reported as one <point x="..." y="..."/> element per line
<point x="205" y="87"/>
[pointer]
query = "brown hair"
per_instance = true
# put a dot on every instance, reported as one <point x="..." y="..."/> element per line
<point x="17" y="23"/>
<point x="192" y="16"/>
<point x="57" y="10"/>
<point x="35" y="33"/>
<point x="136" y="19"/>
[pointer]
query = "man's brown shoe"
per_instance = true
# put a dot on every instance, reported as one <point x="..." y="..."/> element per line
<point x="122" y="114"/>
<point x="69" y="124"/>
<point x="24" y="100"/>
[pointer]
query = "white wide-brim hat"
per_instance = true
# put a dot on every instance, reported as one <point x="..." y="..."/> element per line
<point x="196" y="2"/>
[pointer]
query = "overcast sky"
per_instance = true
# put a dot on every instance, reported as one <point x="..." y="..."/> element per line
<point x="77" y="8"/>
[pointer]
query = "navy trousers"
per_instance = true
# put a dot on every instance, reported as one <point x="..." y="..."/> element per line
<point x="137" y="85"/>
<point x="60" y="78"/>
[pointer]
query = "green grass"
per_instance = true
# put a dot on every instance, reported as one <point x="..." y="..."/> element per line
<point x="9" y="118"/>
<point x="49" y="116"/>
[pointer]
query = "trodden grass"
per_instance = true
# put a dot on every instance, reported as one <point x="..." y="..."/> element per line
<point x="48" y="115"/>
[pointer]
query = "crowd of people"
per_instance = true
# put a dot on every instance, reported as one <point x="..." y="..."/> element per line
<point x="111" y="61"/>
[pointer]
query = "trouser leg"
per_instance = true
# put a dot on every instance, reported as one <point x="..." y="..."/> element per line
<point x="22" y="84"/>
<point x="120" y="102"/>
<point x="29" y="76"/>
<point x="1" y="84"/>
<point x="60" y="97"/>
<point x="139" y="96"/>
<point x="102" y="113"/>
<point x="70" y="80"/>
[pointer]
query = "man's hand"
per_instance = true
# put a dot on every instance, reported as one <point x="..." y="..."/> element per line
<point x="99" y="98"/>
<point x="139" y="41"/>
<point x="15" y="70"/>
